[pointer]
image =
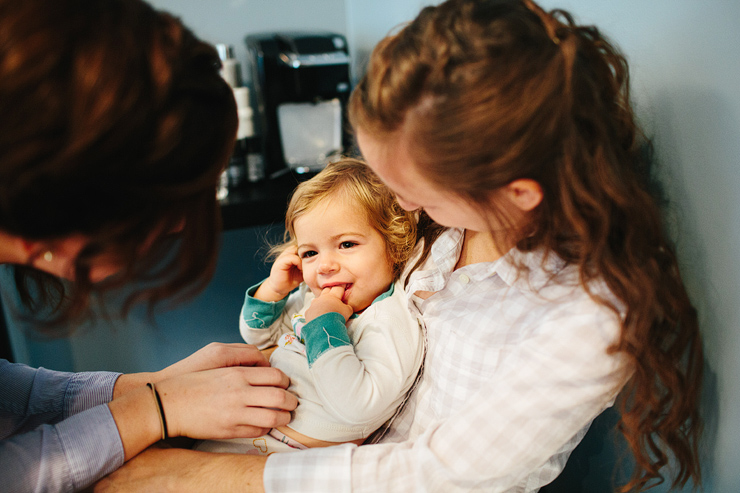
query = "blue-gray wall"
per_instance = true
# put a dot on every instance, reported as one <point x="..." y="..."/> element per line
<point x="685" y="59"/>
<point x="137" y="344"/>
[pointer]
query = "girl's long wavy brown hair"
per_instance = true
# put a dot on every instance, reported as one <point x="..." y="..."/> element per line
<point x="490" y="91"/>
<point x="115" y="126"/>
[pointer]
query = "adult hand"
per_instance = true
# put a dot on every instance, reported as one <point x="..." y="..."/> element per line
<point x="207" y="395"/>
<point x="215" y="355"/>
<point x="226" y="402"/>
<point x="330" y="300"/>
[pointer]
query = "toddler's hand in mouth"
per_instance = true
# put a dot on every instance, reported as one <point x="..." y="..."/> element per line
<point x="331" y="299"/>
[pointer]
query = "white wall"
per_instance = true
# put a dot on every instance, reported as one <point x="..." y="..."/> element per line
<point x="369" y="21"/>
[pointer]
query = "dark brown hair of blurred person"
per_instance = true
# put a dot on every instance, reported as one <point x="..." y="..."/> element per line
<point x="115" y="127"/>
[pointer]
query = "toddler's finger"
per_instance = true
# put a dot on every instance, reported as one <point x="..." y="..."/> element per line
<point x="335" y="291"/>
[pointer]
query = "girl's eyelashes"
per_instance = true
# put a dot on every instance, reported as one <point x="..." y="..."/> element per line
<point x="342" y="246"/>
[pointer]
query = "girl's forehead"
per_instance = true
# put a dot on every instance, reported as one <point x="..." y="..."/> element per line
<point x="335" y="211"/>
<point x="338" y="199"/>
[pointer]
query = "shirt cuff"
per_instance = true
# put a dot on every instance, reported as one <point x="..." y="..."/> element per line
<point x="324" y="333"/>
<point x="315" y="470"/>
<point x="91" y="445"/>
<point x="87" y="390"/>
<point x="48" y="392"/>
<point x="258" y="314"/>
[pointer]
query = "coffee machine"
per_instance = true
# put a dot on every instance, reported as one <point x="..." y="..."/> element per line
<point x="302" y="84"/>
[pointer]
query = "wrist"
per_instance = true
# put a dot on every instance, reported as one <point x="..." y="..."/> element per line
<point x="132" y="381"/>
<point x="267" y="292"/>
<point x="137" y="418"/>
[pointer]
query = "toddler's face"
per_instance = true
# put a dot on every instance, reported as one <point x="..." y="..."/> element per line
<point x="338" y="246"/>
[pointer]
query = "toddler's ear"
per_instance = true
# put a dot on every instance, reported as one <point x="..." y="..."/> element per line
<point x="524" y="193"/>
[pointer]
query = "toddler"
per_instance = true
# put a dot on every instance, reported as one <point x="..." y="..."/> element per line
<point x="345" y="337"/>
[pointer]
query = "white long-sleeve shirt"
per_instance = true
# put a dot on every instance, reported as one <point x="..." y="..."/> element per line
<point x="349" y="378"/>
<point x="515" y="371"/>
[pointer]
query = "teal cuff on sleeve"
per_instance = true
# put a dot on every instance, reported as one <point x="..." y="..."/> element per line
<point x="324" y="333"/>
<point x="258" y="314"/>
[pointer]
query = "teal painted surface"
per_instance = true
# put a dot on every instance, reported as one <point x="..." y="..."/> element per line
<point x="140" y="344"/>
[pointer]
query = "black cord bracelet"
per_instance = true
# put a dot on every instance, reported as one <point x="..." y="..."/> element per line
<point x="160" y="409"/>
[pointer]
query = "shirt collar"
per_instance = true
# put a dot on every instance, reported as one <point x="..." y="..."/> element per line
<point x="433" y="274"/>
<point x="446" y="250"/>
<point x="533" y="270"/>
<point x="381" y="297"/>
<point x="386" y="294"/>
<point x="525" y="270"/>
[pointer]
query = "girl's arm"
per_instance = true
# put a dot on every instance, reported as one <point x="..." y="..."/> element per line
<point x="265" y="313"/>
<point x="262" y="323"/>
<point x="361" y="379"/>
<point x="521" y="424"/>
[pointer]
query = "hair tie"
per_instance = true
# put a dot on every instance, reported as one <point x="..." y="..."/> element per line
<point x="160" y="409"/>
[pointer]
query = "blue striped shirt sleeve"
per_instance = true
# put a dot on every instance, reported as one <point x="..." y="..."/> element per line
<point x="56" y="432"/>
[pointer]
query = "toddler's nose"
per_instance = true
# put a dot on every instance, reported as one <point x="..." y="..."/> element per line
<point x="327" y="266"/>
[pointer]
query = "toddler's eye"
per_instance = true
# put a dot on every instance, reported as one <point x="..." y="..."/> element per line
<point x="308" y="254"/>
<point x="347" y="244"/>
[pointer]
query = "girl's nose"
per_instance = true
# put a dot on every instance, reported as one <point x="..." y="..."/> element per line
<point x="328" y="265"/>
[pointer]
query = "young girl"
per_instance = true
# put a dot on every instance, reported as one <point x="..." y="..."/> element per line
<point x="547" y="287"/>
<point x="345" y="338"/>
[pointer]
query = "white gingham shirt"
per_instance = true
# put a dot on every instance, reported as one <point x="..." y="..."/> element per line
<point x="515" y="371"/>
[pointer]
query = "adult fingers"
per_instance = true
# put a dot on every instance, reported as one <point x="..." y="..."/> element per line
<point x="268" y="377"/>
<point x="215" y="355"/>
<point x="270" y="398"/>
<point x="236" y="354"/>
<point x="247" y="431"/>
<point x="262" y="418"/>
